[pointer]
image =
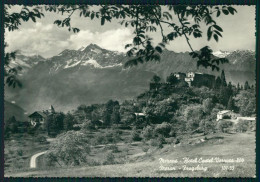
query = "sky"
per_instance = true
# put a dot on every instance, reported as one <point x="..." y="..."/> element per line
<point x="46" y="39"/>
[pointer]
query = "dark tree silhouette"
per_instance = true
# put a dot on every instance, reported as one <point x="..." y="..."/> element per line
<point x="156" y="79"/>
<point x="223" y="79"/>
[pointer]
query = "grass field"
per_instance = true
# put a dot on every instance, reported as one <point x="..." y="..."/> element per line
<point x="141" y="164"/>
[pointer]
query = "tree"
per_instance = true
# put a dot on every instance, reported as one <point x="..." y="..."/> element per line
<point x="224" y="95"/>
<point x="143" y="19"/>
<point x="246" y="86"/>
<point x="218" y="83"/>
<point x="55" y="123"/>
<point x="70" y="148"/>
<point x="224" y="125"/>
<point x="69" y="121"/>
<point x="245" y="101"/>
<point x="156" y="79"/>
<point x="207" y="105"/>
<point x="11" y="125"/>
<point x="172" y="79"/>
<point x="115" y="117"/>
<point x="231" y="105"/>
<point x="223" y="79"/>
<point x="238" y="86"/>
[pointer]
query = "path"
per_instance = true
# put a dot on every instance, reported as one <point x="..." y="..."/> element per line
<point x="33" y="159"/>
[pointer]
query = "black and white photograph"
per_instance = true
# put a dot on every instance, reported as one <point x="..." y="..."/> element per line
<point x="130" y="91"/>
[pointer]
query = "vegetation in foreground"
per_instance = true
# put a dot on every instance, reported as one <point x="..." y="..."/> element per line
<point x="221" y="145"/>
<point x="110" y="133"/>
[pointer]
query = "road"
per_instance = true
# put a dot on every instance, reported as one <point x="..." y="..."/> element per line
<point x="33" y="159"/>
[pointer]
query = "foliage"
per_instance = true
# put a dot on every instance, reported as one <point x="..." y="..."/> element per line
<point x="231" y="105"/>
<point x="172" y="79"/>
<point x="208" y="105"/>
<point x="147" y="133"/>
<point x="158" y="142"/>
<point x="69" y="122"/>
<point x="11" y="125"/>
<point x="135" y="135"/>
<point x="246" y="102"/>
<point x="156" y="79"/>
<point x="224" y="125"/>
<point x="54" y="123"/>
<point x="242" y="125"/>
<point x="193" y="115"/>
<point x="163" y="129"/>
<point x="70" y="148"/>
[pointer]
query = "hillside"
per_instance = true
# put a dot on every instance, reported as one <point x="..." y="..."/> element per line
<point x="94" y="75"/>
<point x="13" y="110"/>
<point x="223" y="146"/>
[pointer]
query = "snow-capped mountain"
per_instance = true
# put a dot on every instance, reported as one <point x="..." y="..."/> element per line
<point x="91" y="55"/>
<point x="221" y="54"/>
<point x="94" y="75"/>
<point x="25" y="62"/>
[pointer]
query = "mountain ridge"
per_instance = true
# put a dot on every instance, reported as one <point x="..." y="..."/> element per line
<point x="92" y="75"/>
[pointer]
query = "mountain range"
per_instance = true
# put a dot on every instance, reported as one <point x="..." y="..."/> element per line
<point x="92" y="74"/>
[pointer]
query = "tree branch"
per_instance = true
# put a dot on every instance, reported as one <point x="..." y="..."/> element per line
<point x="186" y="37"/>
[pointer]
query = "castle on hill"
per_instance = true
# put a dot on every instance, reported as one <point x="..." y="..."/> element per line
<point x="195" y="79"/>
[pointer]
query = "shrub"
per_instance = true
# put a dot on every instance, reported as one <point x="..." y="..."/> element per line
<point x="145" y="148"/>
<point x="147" y="133"/>
<point x="242" y="125"/>
<point x="71" y="148"/>
<point x="224" y="125"/>
<point x="158" y="142"/>
<point x="135" y="135"/>
<point x="163" y="129"/>
<point x="98" y="140"/>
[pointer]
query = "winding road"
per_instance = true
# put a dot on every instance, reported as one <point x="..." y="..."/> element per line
<point x="33" y="159"/>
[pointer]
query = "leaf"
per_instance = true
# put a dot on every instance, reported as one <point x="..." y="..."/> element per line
<point x="209" y="33"/>
<point x="215" y="37"/>
<point x="92" y="16"/>
<point x="218" y="28"/>
<point x="218" y="33"/>
<point x="231" y="10"/>
<point x="158" y="49"/>
<point x="226" y="12"/>
<point x="218" y="13"/>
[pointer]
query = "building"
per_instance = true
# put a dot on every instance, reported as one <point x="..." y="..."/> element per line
<point x="226" y="114"/>
<point x="37" y="117"/>
<point x="200" y="79"/>
<point x="40" y="117"/>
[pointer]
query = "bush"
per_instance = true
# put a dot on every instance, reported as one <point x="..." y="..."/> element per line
<point x="98" y="140"/>
<point x="242" y="125"/>
<point x="147" y="133"/>
<point x="158" y="142"/>
<point x="224" y="125"/>
<point x="135" y="135"/>
<point x="163" y="129"/>
<point x="70" y="148"/>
